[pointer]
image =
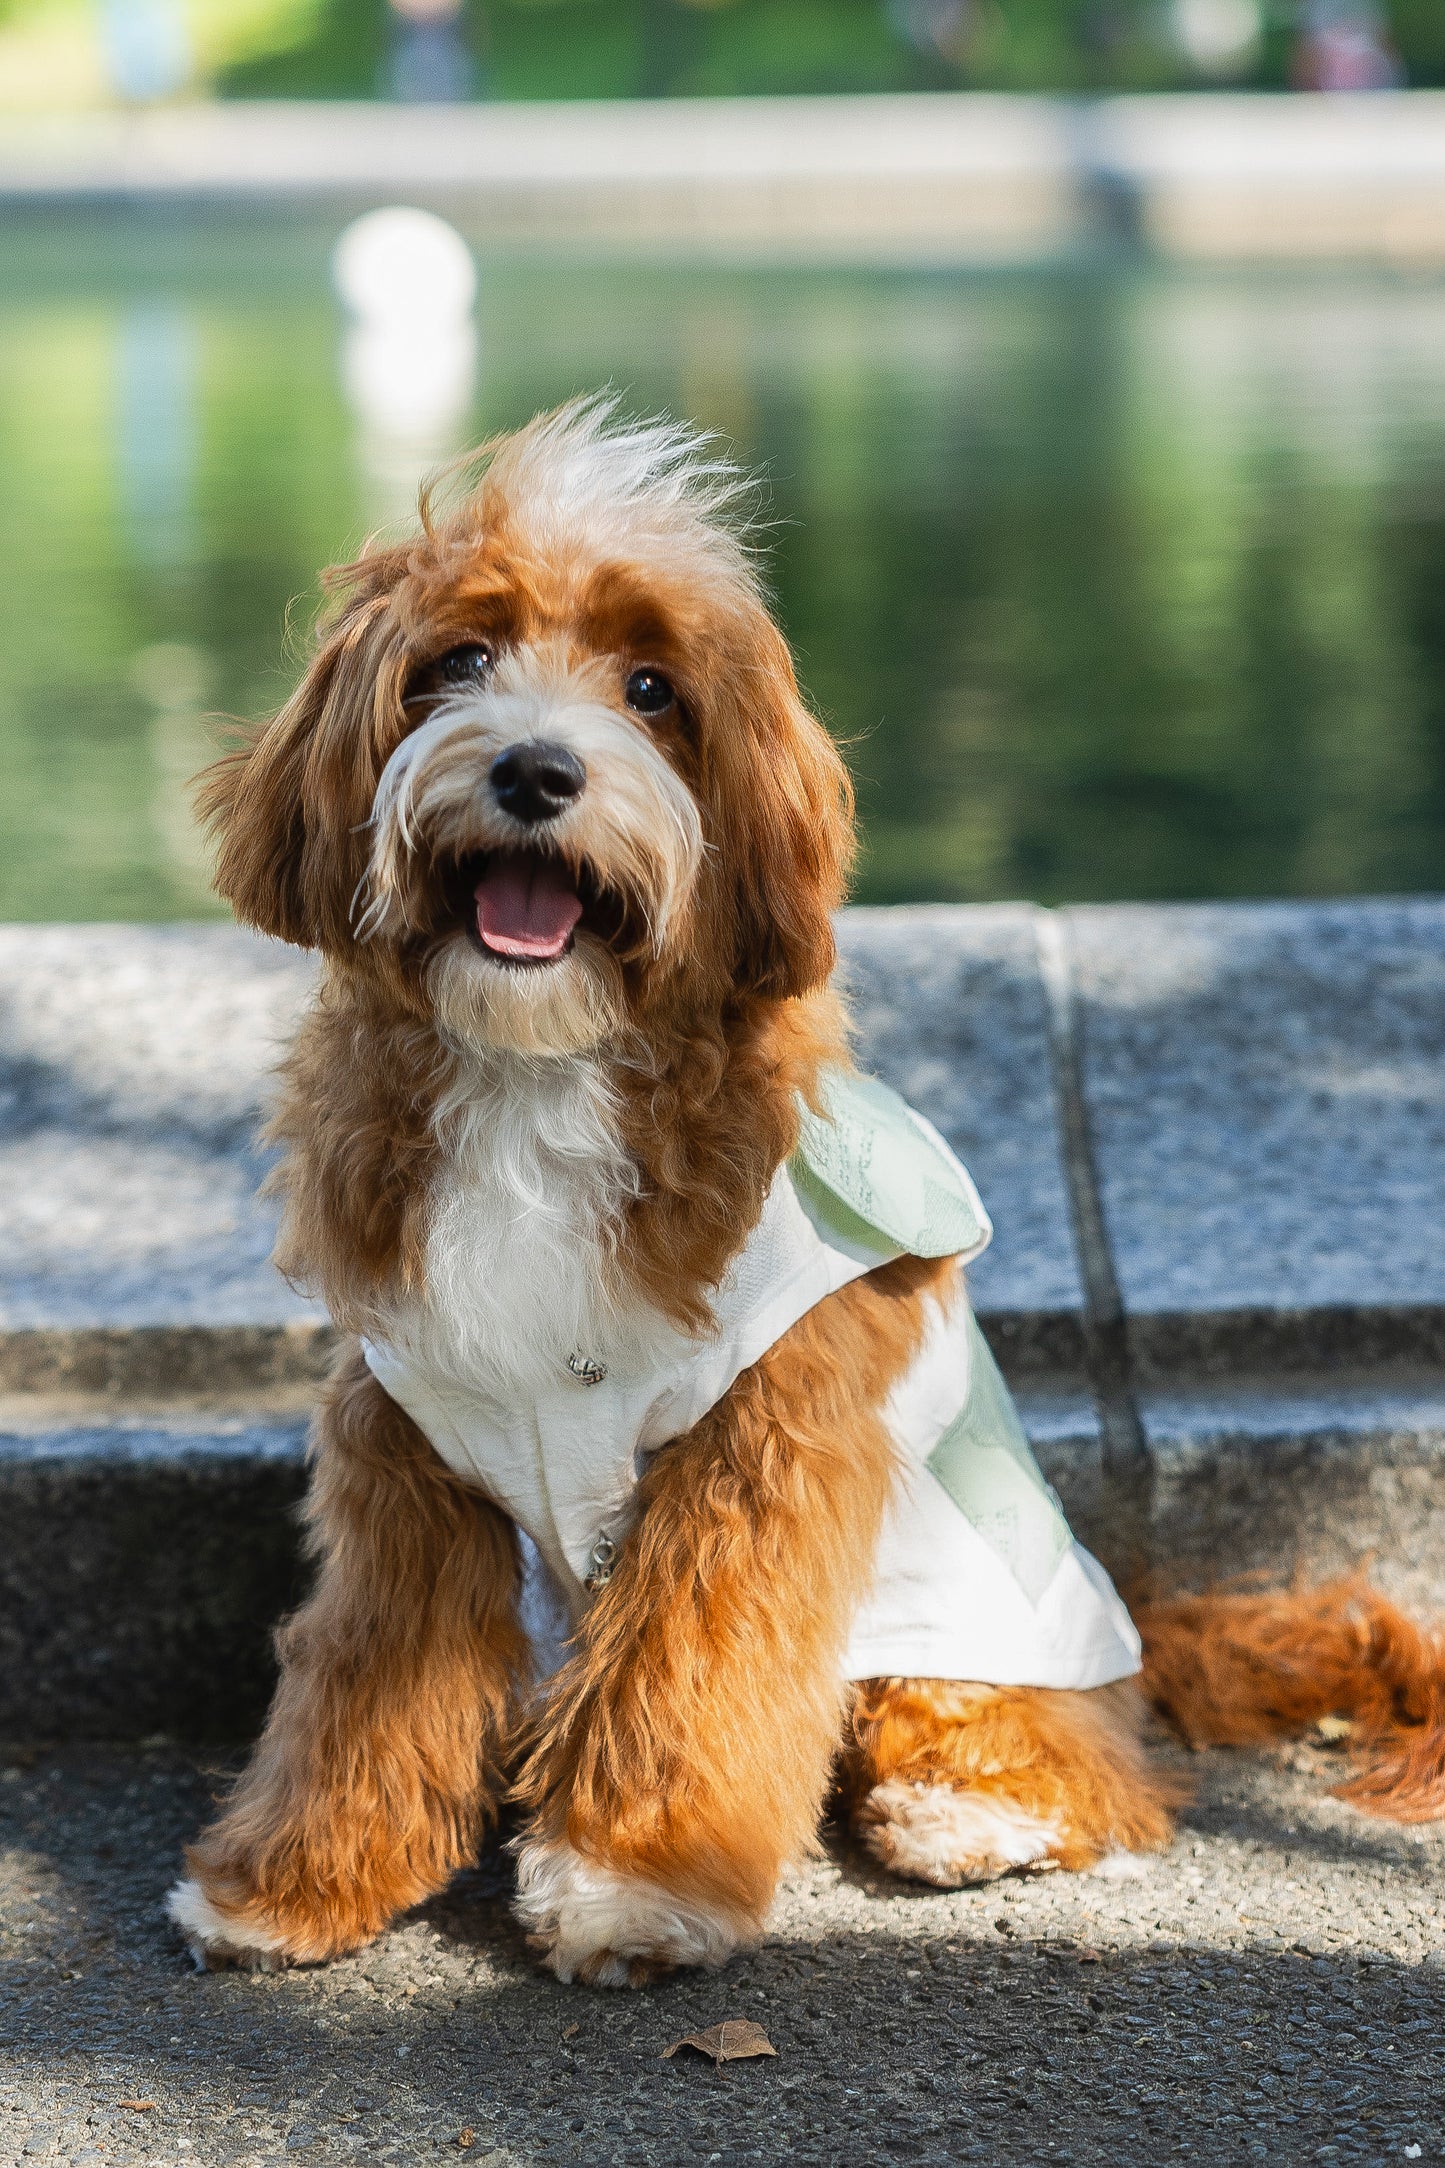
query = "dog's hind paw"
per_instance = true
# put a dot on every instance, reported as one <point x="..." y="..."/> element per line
<point x="607" y="1929"/>
<point x="216" y="1940"/>
<point x="933" y="1833"/>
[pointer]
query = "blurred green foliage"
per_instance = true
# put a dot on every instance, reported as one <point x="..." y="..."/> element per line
<point x="1419" y="32"/>
<point x="682" y="48"/>
<point x="613" y="49"/>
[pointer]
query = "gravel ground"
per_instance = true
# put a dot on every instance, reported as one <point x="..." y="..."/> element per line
<point x="1271" y="1990"/>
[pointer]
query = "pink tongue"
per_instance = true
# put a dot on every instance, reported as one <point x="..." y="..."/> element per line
<point x="527" y="907"/>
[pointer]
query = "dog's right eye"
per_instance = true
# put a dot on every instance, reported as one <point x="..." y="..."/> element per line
<point x="464" y="665"/>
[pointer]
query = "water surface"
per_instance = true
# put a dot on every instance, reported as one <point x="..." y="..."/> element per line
<point x="1116" y="582"/>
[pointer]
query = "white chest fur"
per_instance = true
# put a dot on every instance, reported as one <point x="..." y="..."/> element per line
<point x="526" y="1217"/>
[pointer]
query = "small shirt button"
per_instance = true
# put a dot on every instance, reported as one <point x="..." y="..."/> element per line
<point x="600" y="1561"/>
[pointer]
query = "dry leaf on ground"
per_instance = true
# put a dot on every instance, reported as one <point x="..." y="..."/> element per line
<point x="138" y="2105"/>
<point x="733" y="2041"/>
<point x="466" y="2138"/>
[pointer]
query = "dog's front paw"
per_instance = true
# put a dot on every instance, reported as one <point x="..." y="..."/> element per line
<point x="217" y="1939"/>
<point x="609" y="1929"/>
<point x="932" y="1833"/>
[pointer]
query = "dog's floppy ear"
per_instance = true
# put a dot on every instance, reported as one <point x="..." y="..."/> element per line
<point x="251" y="802"/>
<point x="791" y="816"/>
<point x="284" y="807"/>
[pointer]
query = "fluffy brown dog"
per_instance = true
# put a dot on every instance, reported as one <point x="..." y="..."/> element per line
<point x="550" y="807"/>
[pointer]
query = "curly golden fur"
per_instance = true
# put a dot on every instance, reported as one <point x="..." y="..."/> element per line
<point x="1237" y="1666"/>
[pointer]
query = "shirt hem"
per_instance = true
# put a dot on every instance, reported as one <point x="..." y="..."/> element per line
<point x="1080" y="1672"/>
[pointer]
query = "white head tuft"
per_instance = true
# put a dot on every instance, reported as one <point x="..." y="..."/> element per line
<point x="586" y="473"/>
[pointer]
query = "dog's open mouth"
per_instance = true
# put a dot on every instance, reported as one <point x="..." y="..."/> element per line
<point x="525" y="907"/>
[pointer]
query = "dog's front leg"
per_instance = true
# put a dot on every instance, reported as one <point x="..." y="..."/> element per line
<point x="686" y="1749"/>
<point x="378" y="1766"/>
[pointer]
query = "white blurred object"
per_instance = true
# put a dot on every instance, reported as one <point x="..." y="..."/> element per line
<point x="1218" y="37"/>
<point x="412" y="383"/>
<point x="409" y="358"/>
<point x="147" y="48"/>
<point x="404" y="265"/>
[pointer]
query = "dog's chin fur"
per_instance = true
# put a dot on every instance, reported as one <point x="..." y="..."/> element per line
<point x="551" y="1011"/>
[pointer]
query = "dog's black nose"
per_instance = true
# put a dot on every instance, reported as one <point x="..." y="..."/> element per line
<point x="534" y="781"/>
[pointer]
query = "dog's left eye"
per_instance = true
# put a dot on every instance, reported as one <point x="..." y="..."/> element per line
<point x="459" y="667"/>
<point x="649" y="692"/>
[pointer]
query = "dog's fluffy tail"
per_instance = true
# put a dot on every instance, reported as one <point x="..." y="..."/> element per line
<point x="1235" y="1666"/>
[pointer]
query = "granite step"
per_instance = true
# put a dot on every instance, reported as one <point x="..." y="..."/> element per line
<point x="146" y="1557"/>
<point x="144" y="1561"/>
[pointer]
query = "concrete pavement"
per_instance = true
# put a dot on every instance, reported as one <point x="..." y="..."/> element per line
<point x="1273" y="1989"/>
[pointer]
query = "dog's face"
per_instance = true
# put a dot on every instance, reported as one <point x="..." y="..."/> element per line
<point x="549" y="776"/>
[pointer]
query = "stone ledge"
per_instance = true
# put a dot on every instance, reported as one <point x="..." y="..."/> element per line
<point x="1260" y="1120"/>
<point x="1317" y="1477"/>
<point x="1264" y="1088"/>
<point x="133" y="1069"/>
<point x="951" y="1010"/>
<point x="1252" y="1102"/>
<point x="148" y="1363"/>
<point x="146" y="1561"/>
<point x="134" y="1072"/>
